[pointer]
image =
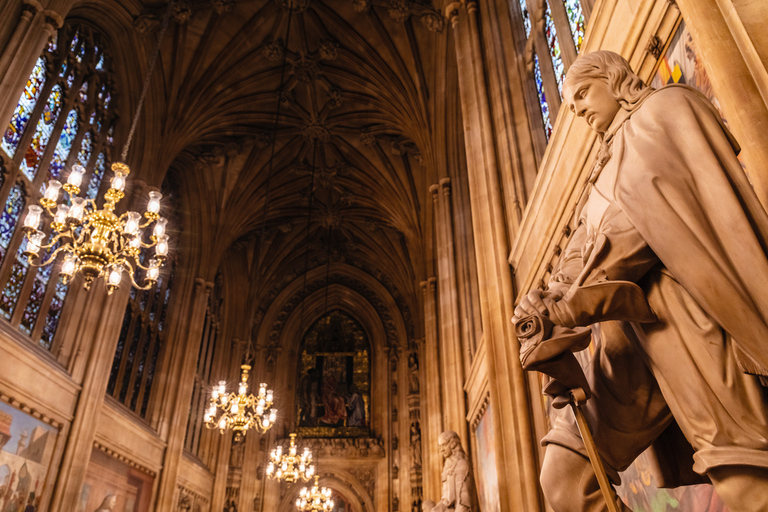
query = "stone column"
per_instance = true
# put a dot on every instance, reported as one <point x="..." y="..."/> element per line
<point x="181" y="371"/>
<point x="33" y="29"/>
<point x="514" y="444"/>
<point x="100" y="322"/>
<point x="430" y="393"/>
<point x="451" y="360"/>
<point x="732" y="58"/>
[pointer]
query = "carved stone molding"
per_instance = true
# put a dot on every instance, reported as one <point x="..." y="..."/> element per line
<point x="124" y="459"/>
<point x="481" y="410"/>
<point x="30" y="410"/>
<point x="345" y="448"/>
<point x="190" y="501"/>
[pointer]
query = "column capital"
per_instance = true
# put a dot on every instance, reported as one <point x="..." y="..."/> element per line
<point x="452" y="12"/>
<point x="433" y="189"/>
<point x="445" y="185"/>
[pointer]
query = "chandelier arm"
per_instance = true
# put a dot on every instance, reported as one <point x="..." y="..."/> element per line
<point x="50" y="259"/>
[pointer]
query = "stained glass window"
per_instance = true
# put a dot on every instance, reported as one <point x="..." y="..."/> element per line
<point x="41" y="135"/>
<point x="576" y="20"/>
<point x="526" y="17"/>
<point x="64" y="145"/>
<point x="542" y="97"/>
<point x="45" y="124"/>
<point x="25" y="107"/>
<point x="554" y="48"/>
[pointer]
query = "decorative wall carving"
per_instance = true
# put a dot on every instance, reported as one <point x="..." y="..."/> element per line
<point x="347" y="448"/>
<point x="190" y="501"/>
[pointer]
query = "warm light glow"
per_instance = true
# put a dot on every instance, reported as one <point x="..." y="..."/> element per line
<point x="291" y="467"/>
<point x="76" y="175"/>
<point x="153" y="272"/>
<point x="237" y="412"/>
<point x="115" y="275"/>
<point x="118" y="181"/>
<point x="34" y="242"/>
<point x="77" y="209"/>
<point x="153" y="206"/>
<point x="161" y="249"/>
<point x="61" y="214"/>
<point x="160" y="227"/>
<point x="52" y="190"/>
<point x="241" y="389"/>
<point x="69" y="265"/>
<point x="132" y="223"/>
<point x="32" y="220"/>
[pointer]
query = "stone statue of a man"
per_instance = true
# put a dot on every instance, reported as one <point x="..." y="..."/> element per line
<point x="458" y="482"/>
<point x="667" y="266"/>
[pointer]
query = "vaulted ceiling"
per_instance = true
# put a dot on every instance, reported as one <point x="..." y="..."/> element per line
<point x="363" y="96"/>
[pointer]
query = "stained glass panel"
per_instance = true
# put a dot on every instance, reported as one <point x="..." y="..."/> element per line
<point x="83" y="95"/>
<point x="140" y="368"/>
<point x="53" y="42"/>
<point x="526" y="17"/>
<point x="554" y="48"/>
<point x="64" y="146"/>
<point x="100" y="65"/>
<point x="54" y="315"/>
<point x="34" y="153"/>
<point x="98" y="174"/>
<point x="150" y="376"/>
<point x="10" y="217"/>
<point x="576" y="20"/>
<point x="131" y="355"/>
<point x="542" y="98"/>
<point x="85" y="150"/>
<point x="10" y="295"/>
<point x="35" y="302"/>
<point x="24" y="109"/>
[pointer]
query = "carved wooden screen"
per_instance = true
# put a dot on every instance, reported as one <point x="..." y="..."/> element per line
<point x="65" y="116"/>
<point x="333" y="399"/>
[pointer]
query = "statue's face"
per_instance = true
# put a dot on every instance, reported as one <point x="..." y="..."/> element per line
<point x="445" y="450"/>
<point x="592" y="99"/>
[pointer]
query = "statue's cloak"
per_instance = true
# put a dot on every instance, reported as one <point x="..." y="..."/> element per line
<point x="682" y="187"/>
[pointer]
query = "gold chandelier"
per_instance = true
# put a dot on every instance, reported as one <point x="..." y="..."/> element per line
<point x="240" y="412"/>
<point x="290" y="466"/>
<point x="97" y="243"/>
<point x="316" y="499"/>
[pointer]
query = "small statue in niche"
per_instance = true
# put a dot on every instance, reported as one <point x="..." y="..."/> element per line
<point x="393" y="363"/>
<point x="395" y="504"/>
<point x="395" y="442"/>
<point x="395" y="471"/>
<point x="394" y="388"/>
<point x="394" y="414"/>
<point x="230" y="506"/>
<point x="108" y="504"/>
<point x="413" y="373"/>
<point x="236" y="453"/>
<point x="415" y="445"/>
<point x="458" y="484"/>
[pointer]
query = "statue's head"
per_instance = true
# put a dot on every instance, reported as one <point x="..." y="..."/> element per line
<point x="449" y="443"/>
<point x="109" y="502"/>
<point x="598" y="85"/>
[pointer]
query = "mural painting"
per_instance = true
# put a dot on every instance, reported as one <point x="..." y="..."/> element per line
<point x="334" y="379"/>
<point x="488" y="483"/>
<point x="114" y="486"/>
<point x="26" y="449"/>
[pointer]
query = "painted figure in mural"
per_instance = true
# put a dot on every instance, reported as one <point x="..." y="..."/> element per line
<point x="667" y="268"/>
<point x="356" y="408"/>
<point x="110" y="500"/>
<point x="335" y="407"/>
<point x="458" y="484"/>
<point x="310" y="398"/>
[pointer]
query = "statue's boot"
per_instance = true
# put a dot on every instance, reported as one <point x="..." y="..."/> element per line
<point x="601" y="302"/>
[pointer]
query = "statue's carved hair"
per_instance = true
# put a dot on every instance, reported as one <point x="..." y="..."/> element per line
<point x="627" y="87"/>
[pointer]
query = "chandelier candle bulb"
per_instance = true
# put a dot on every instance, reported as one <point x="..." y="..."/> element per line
<point x="153" y="206"/>
<point x="61" y="217"/>
<point x="77" y="209"/>
<point x="34" y="243"/>
<point x="75" y="178"/>
<point x="118" y="181"/>
<point x="132" y="223"/>
<point x="161" y="249"/>
<point x="32" y="220"/>
<point x="153" y="272"/>
<point x="68" y="267"/>
<point x="51" y="193"/>
<point x="159" y="229"/>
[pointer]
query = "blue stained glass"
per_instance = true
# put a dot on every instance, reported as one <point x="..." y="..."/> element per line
<point x="75" y="40"/>
<point x="110" y="136"/>
<point x="576" y="20"/>
<point x="81" y="53"/>
<point x="35" y="302"/>
<point x="92" y="120"/>
<point x="70" y="79"/>
<point x="10" y="295"/>
<point x="63" y="70"/>
<point x="96" y="177"/>
<point x="53" y="42"/>
<point x="34" y="153"/>
<point x="526" y="17"/>
<point x="54" y="315"/>
<point x="85" y="150"/>
<point x="9" y="217"/>
<point x="24" y="109"/>
<point x="542" y="97"/>
<point x="64" y="146"/>
<point x="554" y="48"/>
<point x="83" y="95"/>
<point x="100" y="65"/>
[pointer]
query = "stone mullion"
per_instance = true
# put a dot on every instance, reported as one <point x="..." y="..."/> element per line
<point x="182" y="370"/>
<point x="135" y="315"/>
<point x="22" y="51"/>
<point x="514" y="444"/>
<point x="143" y="341"/>
<point x="451" y="361"/>
<point x="431" y="392"/>
<point x="144" y="375"/>
<point x="100" y="323"/>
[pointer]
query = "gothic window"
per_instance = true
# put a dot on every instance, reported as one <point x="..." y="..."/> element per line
<point x="334" y="379"/>
<point x="203" y="381"/>
<point x="144" y="331"/>
<point x="552" y="45"/>
<point x="58" y="122"/>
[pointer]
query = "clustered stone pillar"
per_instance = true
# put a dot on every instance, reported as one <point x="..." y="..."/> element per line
<point x="515" y="445"/>
<point x="433" y="425"/>
<point x="451" y="360"/>
<point x="182" y="371"/>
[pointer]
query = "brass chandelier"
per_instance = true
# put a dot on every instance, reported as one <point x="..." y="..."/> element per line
<point x="97" y="242"/>
<point x="290" y="466"/>
<point x="239" y="411"/>
<point x="316" y="499"/>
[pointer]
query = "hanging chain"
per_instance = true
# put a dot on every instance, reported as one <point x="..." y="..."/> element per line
<point x="145" y="87"/>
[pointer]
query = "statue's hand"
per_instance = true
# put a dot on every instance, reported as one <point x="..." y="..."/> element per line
<point x="537" y="301"/>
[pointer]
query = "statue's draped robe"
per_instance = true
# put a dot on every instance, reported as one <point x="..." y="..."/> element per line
<point x="671" y="210"/>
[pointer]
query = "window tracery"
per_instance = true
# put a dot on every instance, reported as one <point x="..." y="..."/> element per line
<point x="57" y="122"/>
